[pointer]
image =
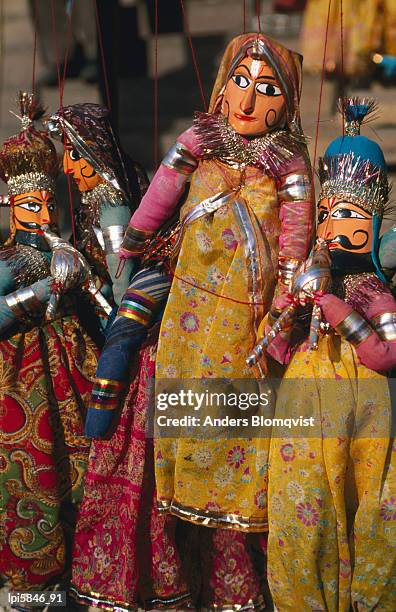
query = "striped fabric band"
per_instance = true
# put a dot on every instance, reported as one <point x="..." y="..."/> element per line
<point x="105" y="394"/>
<point x="152" y="282"/>
<point x="148" y="289"/>
<point x="137" y="305"/>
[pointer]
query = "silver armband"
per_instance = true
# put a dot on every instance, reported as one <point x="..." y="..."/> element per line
<point x="385" y="325"/>
<point x="24" y="303"/>
<point x="113" y="236"/>
<point x="287" y="269"/>
<point x="179" y="158"/>
<point x="354" y="329"/>
<point x="295" y="188"/>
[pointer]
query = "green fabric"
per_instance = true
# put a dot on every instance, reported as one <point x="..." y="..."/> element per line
<point x="41" y="289"/>
<point x="117" y="215"/>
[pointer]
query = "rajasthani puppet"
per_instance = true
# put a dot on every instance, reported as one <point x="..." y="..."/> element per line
<point x="124" y="553"/>
<point x="332" y="490"/>
<point x="110" y="183"/>
<point x="46" y="369"/>
<point x="247" y="217"/>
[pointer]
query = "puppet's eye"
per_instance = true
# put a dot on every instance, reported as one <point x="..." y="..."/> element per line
<point x="241" y="81"/>
<point x="74" y="154"/>
<point x="322" y="216"/>
<point x="30" y="206"/>
<point x="346" y="213"/>
<point x="268" y="89"/>
<point x="51" y="205"/>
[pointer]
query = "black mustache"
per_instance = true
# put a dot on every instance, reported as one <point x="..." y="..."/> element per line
<point x="347" y="244"/>
<point x="30" y="225"/>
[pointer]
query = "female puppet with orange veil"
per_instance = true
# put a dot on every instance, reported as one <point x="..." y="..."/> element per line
<point x="247" y="221"/>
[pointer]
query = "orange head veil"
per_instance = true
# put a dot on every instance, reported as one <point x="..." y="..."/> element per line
<point x="286" y="64"/>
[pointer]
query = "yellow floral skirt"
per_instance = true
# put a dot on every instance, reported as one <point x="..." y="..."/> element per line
<point x="332" y="492"/>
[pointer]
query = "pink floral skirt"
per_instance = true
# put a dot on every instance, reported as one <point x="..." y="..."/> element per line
<point x="126" y="554"/>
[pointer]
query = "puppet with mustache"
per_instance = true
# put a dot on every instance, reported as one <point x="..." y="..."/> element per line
<point x="340" y="479"/>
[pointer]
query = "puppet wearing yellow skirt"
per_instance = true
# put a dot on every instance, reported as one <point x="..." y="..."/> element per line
<point x="332" y="490"/>
<point x="248" y="215"/>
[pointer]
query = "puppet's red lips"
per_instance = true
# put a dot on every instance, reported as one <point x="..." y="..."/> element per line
<point x="244" y="117"/>
<point x="333" y="245"/>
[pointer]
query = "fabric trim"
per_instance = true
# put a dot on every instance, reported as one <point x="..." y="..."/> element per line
<point x="207" y="518"/>
<point x="108" y="603"/>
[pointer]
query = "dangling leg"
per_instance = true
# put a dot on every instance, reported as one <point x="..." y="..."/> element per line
<point x="143" y="299"/>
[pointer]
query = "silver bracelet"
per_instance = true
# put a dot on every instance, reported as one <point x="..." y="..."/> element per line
<point x="385" y="325"/>
<point x="295" y="188"/>
<point x="24" y="303"/>
<point x="113" y="236"/>
<point x="354" y="328"/>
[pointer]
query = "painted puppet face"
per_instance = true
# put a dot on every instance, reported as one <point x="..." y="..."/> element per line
<point x="85" y="177"/>
<point x="348" y="231"/>
<point x="252" y="100"/>
<point x="344" y="225"/>
<point x="33" y="209"/>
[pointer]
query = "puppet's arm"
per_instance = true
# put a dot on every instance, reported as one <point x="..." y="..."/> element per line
<point x="113" y="221"/>
<point x="297" y="220"/>
<point x="24" y="303"/>
<point x="160" y="201"/>
<point x="374" y="335"/>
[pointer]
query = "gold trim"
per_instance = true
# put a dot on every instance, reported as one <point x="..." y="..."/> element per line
<point x="354" y="328"/>
<point x="104" y="406"/>
<point x="212" y="519"/>
<point x="108" y="381"/>
<point x="133" y="317"/>
<point x="108" y="603"/>
<point x="253" y="604"/>
<point x="99" y="601"/>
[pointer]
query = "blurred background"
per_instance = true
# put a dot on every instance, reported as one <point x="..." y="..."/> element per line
<point x="137" y="56"/>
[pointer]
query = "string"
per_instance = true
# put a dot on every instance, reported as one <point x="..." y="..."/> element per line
<point x="342" y="65"/>
<point x="155" y="109"/>
<point x="219" y="295"/>
<point x="194" y="58"/>
<point x="258" y="10"/>
<point x="35" y="21"/>
<point x="61" y="90"/>
<point x="120" y="267"/>
<point x="102" y="55"/>
<point x="244" y="16"/>
<point x="67" y="51"/>
<point x="321" y="90"/>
